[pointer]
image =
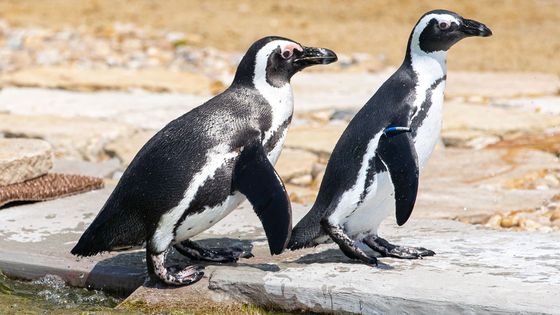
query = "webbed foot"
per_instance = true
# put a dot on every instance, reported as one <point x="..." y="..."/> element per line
<point x="172" y="275"/>
<point x="387" y="249"/>
<point x="347" y="245"/>
<point x="194" y="251"/>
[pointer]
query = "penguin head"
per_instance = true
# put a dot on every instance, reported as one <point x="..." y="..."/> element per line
<point x="275" y="60"/>
<point x="438" y="30"/>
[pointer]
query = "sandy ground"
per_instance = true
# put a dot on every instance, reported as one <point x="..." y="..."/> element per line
<point x="526" y="32"/>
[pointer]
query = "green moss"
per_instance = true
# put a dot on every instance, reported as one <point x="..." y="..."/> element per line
<point x="201" y="309"/>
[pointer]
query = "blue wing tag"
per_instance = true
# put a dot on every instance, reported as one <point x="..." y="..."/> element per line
<point x="393" y="131"/>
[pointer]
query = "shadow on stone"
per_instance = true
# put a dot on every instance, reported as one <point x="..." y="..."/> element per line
<point x="125" y="272"/>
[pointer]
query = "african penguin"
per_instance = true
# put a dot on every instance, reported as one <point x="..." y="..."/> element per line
<point x="202" y="165"/>
<point x="375" y="166"/>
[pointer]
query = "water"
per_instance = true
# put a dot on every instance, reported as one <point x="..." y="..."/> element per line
<point x="50" y="295"/>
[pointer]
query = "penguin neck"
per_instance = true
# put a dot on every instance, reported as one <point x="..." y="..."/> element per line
<point x="281" y="103"/>
<point x="280" y="98"/>
<point x="430" y="66"/>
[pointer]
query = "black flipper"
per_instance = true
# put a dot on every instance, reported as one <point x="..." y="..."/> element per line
<point x="256" y="178"/>
<point x="399" y="155"/>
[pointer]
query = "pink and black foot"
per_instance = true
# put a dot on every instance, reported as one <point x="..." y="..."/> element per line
<point x="387" y="249"/>
<point x="173" y="275"/>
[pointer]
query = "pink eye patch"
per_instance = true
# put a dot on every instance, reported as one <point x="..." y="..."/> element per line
<point x="288" y="50"/>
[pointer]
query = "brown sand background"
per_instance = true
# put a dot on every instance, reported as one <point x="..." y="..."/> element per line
<point x="526" y="32"/>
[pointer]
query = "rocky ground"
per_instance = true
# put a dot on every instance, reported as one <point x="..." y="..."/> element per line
<point x="497" y="163"/>
<point x="91" y="97"/>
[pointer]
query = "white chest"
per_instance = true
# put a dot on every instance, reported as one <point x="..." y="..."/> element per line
<point x="430" y="70"/>
<point x="199" y="222"/>
<point x="428" y="134"/>
<point x="281" y="101"/>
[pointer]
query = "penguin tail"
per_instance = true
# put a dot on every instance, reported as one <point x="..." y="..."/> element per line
<point x="306" y="231"/>
<point x="110" y="231"/>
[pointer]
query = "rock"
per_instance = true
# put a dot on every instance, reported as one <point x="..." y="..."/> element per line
<point x="345" y="90"/>
<point x="351" y="90"/>
<point x="491" y="122"/>
<point x="317" y="139"/>
<point x="294" y="163"/>
<point x="126" y="148"/>
<point x="23" y="159"/>
<point x="500" y="84"/>
<point x="75" y="138"/>
<point x="138" y="108"/>
<point x="555" y="216"/>
<point x="304" y="180"/>
<point x="544" y="141"/>
<point x="462" y="183"/>
<point x="547" y="104"/>
<point x="323" y="116"/>
<point x="528" y="225"/>
<point x="323" y="280"/>
<point x="481" y="142"/>
<point x="35" y="240"/>
<point x="112" y="79"/>
<point x="317" y="170"/>
<point x="509" y="221"/>
<point x="300" y="194"/>
<point x="345" y="115"/>
<point x="495" y="221"/>
<point x="461" y="138"/>
<point x="104" y="169"/>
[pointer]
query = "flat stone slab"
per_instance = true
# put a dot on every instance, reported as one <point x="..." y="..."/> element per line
<point x="141" y="109"/>
<point x="314" y="91"/>
<point x="549" y="104"/>
<point x="324" y="90"/>
<point x="319" y="139"/>
<point x="104" y="169"/>
<point x="462" y="183"/>
<point x="68" y="78"/>
<point x="491" y="85"/>
<point x="75" y="138"/>
<point x="494" y="121"/>
<point x="23" y="159"/>
<point x="476" y="270"/>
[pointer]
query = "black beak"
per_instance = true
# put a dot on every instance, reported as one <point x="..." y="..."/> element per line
<point x="474" y="28"/>
<point x="315" y="56"/>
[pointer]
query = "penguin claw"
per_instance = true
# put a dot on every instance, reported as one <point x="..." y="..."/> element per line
<point x="173" y="275"/>
<point x="387" y="249"/>
<point x="186" y="276"/>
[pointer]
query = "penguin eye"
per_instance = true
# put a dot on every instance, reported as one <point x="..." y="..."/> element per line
<point x="443" y="25"/>
<point x="286" y="54"/>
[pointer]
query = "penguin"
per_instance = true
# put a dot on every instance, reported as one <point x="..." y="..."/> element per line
<point x="202" y="165"/>
<point x="375" y="166"/>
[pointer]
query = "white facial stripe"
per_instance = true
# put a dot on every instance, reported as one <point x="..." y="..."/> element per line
<point x="433" y="65"/>
<point x="280" y="98"/>
<point x="429" y="68"/>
